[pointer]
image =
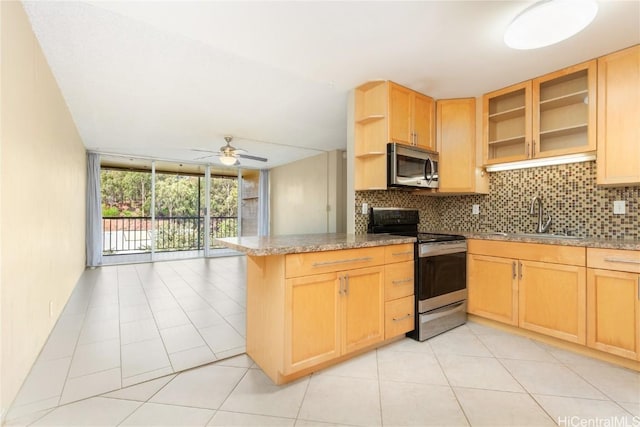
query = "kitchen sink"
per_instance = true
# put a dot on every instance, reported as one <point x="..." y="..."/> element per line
<point x="537" y="235"/>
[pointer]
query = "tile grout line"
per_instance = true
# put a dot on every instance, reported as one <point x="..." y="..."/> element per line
<point x="210" y="306"/>
<point x="528" y="393"/>
<point x="140" y="282"/>
<point x="75" y="347"/>
<point x="185" y="314"/>
<point x="444" y="373"/>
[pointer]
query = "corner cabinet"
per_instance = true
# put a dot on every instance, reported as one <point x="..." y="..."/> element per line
<point x="613" y="301"/>
<point x="618" y="161"/>
<point x="387" y="112"/>
<point x="552" y="115"/>
<point x="456" y="141"/>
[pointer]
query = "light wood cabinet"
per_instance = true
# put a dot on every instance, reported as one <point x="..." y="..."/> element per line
<point x="456" y="142"/>
<point x="349" y="304"/>
<point x="542" y="290"/>
<point x="618" y="157"/>
<point x="399" y="298"/>
<point x="552" y="115"/>
<point x="311" y="341"/>
<point x="387" y="112"/>
<point x="308" y="310"/>
<point x="613" y="301"/>
<point x="552" y="300"/>
<point x="493" y="288"/>
<point x="411" y="117"/>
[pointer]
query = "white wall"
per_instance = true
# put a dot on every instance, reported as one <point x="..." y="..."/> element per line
<point x="42" y="200"/>
<point x="307" y="196"/>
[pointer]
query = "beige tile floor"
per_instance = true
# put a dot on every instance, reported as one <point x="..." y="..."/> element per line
<point x="472" y="375"/>
<point x="128" y="324"/>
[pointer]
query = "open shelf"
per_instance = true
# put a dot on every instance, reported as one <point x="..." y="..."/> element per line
<point x="369" y="119"/>
<point x="371" y="154"/>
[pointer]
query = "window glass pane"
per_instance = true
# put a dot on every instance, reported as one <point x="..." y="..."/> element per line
<point x="179" y="225"/>
<point x="126" y="216"/>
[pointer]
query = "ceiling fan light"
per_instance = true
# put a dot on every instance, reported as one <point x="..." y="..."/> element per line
<point x="228" y="160"/>
<point x="548" y="22"/>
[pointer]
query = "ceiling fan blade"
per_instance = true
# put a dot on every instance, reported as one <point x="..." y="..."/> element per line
<point x="247" y="156"/>
<point x="202" y="151"/>
<point x="207" y="156"/>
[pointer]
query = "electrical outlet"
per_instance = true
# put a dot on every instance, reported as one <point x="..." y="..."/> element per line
<point x="619" y="207"/>
<point x="475" y="209"/>
<point x="365" y="208"/>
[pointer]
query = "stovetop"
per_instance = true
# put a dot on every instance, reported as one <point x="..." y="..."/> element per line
<point x="403" y="222"/>
<point x="430" y="237"/>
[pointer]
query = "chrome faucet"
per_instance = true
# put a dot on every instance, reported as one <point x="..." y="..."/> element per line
<point x="541" y="228"/>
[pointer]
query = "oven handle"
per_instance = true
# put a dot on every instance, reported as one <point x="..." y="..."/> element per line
<point x="443" y="311"/>
<point x="427" y="250"/>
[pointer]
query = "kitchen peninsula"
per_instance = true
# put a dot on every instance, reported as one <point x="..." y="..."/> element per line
<point x="317" y="299"/>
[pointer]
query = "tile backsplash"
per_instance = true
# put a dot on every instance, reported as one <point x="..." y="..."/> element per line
<point x="569" y="194"/>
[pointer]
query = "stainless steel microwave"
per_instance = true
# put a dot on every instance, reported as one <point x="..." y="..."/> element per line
<point x="409" y="166"/>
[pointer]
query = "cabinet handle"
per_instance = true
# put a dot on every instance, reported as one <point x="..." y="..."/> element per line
<point x="341" y="261"/>
<point x="399" y="282"/>
<point x="622" y="260"/>
<point x="398" y="319"/>
<point x="520" y="268"/>
<point x="528" y="152"/>
<point x="639" y="287"/>
<point x="513" y="269"/>
<point x="402" y="253"/>
<point x="416" y="138"/>
<point x="346" y="284"/>
<point x="533" y="148"/>
<point x="340" y="291"/>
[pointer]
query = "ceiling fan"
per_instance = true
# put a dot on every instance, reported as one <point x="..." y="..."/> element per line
<point x="230" y="155"/>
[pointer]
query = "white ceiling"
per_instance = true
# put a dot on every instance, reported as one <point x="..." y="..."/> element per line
<point x="157" y="79"/>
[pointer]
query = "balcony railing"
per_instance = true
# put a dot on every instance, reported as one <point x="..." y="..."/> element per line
<point x="182" y="233"/>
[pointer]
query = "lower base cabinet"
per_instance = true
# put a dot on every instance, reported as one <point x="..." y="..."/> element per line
<point x="331" y="315"/>
<point x="543" y="290"/>
<point x="552" y="300"/>
<point x="613" y="302"/>
<point x="309" y="309"/>
<point x="493" y="288"/>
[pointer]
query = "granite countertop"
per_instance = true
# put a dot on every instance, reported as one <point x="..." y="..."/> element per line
<point x="631" y="244"/>
<point x="297" y="243"/>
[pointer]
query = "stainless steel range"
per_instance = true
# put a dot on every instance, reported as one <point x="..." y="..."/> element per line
<point x="440" y="271"/>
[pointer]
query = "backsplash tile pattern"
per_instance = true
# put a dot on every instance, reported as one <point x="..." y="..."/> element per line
<point x="569" y="194"/>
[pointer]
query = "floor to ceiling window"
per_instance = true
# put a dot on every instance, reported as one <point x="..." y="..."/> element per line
<point x="155" y="210"/>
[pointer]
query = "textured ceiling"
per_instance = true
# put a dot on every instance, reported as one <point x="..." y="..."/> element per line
<point x="157" y="79"/>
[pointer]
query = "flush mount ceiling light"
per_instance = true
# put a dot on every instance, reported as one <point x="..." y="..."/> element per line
<point x="549" y="21"/>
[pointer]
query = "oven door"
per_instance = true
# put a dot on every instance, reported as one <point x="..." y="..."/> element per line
<point x="442" y="275"/>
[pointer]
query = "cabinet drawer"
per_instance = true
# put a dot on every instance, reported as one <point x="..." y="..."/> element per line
<point x="614" y="259"/>
<point x="399" y="317"/>
<point x="398" y="253"/>
<point x="306" y="264"/>
<point x="398" y="280"/>
<point x="555" y="254"/>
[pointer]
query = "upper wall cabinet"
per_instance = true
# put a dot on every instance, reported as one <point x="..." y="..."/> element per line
<point x="552" y="115"/>
<point x="411" y="116"/>
<point x="618" y="161"/>
<point x="456" y="138"/>
<point x="387" y="112"/>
